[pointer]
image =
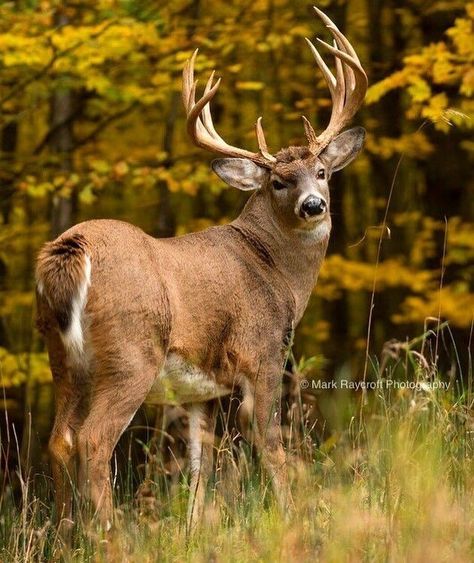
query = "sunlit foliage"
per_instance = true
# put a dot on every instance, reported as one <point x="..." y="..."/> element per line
<point x="439" y="78"/>
<point x="92" y="126"/>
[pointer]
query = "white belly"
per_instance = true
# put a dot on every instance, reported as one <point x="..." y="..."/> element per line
<point x="181" y="382"/>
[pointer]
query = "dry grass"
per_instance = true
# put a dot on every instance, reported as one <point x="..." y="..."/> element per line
<point x="394" y="482"/>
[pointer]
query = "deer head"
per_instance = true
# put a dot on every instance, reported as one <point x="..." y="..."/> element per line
<point x="295" y="179"/>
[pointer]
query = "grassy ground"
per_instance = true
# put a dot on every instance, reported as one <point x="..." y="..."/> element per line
<point x="395" y="482"/>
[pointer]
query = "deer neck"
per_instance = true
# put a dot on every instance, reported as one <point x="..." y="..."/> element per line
<point x="297" y="254"/>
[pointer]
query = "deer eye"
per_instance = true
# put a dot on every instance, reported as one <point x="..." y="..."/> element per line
<point x="278" y="185"/>
<point x="321" y="174"/>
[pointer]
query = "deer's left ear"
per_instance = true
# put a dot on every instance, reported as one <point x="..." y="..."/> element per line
<point x="343" y="149"/>
<point x="240" y="173"/>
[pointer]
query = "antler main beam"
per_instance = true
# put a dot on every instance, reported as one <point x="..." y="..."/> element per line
<point x="347" y="88"/>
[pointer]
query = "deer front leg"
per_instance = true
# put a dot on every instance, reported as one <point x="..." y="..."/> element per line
<point x="268" y="439"/>
<point x="201" y="456"/>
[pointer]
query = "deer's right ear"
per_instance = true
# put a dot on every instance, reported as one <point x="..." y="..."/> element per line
<point x="240" y="173"/>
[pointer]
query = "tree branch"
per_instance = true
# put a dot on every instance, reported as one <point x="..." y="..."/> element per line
<point x="45" y="140"/>
<point x="55" y="56"/>
<point x="103" y="124"/>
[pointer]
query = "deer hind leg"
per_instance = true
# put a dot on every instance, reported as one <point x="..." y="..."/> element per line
<point x="116" y="394"/>
<point x="62" y="442"/>
<point x="201" y="456"/>
<point x="62" y="450"/>
<point x="268" y="439"/>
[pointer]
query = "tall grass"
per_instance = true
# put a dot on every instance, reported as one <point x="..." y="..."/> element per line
<point x="394" y="481"/>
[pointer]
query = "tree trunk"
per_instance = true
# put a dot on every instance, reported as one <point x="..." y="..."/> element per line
<point x="62" y="143"/>
<point x="166" y="220"/>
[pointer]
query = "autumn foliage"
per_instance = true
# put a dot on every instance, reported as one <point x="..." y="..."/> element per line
<point x="91" y="125"/>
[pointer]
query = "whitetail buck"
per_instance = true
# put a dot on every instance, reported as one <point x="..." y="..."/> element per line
<point x="128" y="318"/>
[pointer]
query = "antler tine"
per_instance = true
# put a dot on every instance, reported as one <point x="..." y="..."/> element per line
<point x="347" y="89"/>
<point x="341" y="81"/>
<point x="262" y="143"/>
<point x="201" y="127"/>
<point x="360" y="82"/>
<point x="328" y="75"/>
<point x="309" y="132"/>
<point x="195" y="108"/>
<point x="340" y="46"/>
<point x="188" y="79"/>
<point x="335" y="31"/>
<point x="206" y="116"/>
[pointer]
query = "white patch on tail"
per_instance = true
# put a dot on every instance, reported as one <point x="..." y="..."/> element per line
<point x="73" y="337"/>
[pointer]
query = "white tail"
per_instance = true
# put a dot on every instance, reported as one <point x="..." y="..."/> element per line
<point x="73" y="337"/>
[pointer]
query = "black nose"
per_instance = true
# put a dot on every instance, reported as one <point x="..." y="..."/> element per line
<point x="312" y="206"/>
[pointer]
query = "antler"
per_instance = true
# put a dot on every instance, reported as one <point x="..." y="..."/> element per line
<point x="199" y="120"/>
<point x="347" y="89"/>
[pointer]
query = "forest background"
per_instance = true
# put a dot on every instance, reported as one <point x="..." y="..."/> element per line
<point x="92" y="126"/>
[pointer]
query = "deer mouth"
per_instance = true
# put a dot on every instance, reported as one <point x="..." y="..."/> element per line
<point x="313" y="220"/>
